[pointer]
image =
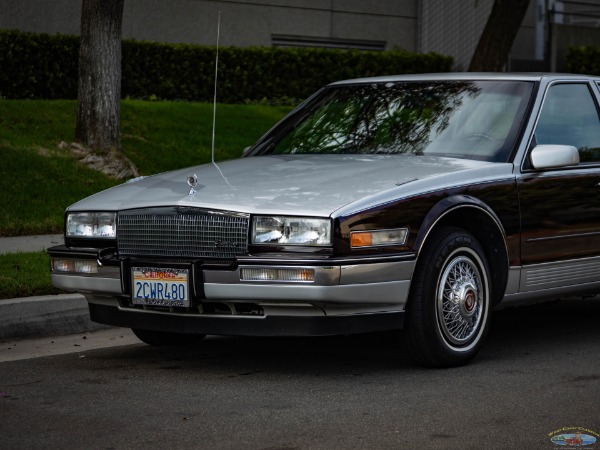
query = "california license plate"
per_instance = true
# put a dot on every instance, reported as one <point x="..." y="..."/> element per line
<point x="160" y="286"/>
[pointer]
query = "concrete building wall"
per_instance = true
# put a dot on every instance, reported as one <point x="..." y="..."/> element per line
<point x="453" y="27"/>
<point x="524" y="47"/>
<point x="389" y="23"/>
<point x="449" y="27"/>
<point x="41" y="16"/>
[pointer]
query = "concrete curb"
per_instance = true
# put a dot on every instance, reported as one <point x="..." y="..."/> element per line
<point x="48" y="315"/>
<point x="44" y="316"/>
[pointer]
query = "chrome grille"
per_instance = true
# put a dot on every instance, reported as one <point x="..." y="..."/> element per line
<point x="182" y="233"/>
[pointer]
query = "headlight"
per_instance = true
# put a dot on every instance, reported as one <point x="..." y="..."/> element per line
<point x="92" y="225"/>
<point x="291" y="230"/>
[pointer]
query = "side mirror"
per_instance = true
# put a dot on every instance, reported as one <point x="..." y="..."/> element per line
<point x="554" y="156"/>
<point x="246" y="151"/>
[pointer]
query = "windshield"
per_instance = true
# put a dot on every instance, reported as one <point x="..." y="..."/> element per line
<point x="462" y="119"/>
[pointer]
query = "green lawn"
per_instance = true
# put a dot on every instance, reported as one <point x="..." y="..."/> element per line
<point x="39" y="179"/>
<point x="24" y="275"/>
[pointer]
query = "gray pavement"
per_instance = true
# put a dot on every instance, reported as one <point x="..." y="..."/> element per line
<point x="44" y="315"/>
<point x="26" y="244"/>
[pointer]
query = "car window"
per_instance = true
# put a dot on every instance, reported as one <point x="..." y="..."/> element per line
<point x="569" y="117"/>
<point x="463" y="119"/>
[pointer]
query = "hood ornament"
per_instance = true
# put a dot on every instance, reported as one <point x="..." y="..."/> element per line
<point x="192" y="181"/>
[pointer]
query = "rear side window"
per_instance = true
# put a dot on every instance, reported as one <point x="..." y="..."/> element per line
<point x="569" y="116"/>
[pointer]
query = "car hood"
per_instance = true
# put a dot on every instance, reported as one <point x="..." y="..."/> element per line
<point x="315" y="185"/>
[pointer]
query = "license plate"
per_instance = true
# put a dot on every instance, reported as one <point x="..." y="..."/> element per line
<point x="160" y="286"/>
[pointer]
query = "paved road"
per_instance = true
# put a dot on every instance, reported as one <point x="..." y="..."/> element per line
<point x="538" y="373"/>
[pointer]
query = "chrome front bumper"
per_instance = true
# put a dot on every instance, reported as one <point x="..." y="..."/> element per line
<point x="340" y="298"/>
<point x="375" y="283"/>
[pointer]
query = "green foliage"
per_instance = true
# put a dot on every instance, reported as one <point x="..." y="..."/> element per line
<point x="39" y="178"/>
<point x="584" y="60"/>
<point x="44" y="66"/>
<point x="161" y="136"/>
<point x="24" y="275"/>
<point x="38" y="65"/>
<point x="37" y="185"/>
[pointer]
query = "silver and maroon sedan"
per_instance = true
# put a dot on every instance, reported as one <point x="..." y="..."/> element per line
<point x="417" y="202"/>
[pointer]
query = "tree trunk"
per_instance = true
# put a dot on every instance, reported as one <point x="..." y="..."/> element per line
<point x="498" y="36"/>
<point x="99" y="90"/>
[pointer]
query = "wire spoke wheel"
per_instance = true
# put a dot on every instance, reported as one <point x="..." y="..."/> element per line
<point x="460" y="300"/>
<point x="447" y="315"/>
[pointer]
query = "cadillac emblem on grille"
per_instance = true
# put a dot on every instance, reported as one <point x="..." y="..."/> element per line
<point x="182" y="232"/>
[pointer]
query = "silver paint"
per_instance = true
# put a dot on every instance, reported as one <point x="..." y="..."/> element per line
<point x="312" y="185"/>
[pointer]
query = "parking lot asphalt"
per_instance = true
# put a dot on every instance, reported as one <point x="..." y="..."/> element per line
<point x="43" y="315"/>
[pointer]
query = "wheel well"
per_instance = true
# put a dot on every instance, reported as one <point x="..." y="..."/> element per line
<point x="486" y="230"/>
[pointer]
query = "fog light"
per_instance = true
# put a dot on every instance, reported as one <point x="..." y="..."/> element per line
<point x="74" y="266"/>
<point x="290" y="275"/>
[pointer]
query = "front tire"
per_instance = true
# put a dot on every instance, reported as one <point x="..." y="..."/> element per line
<point x="448" y="312"/>
<point x="166" y="339"/>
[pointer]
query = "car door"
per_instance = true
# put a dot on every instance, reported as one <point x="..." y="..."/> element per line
<point x="560" y="208"/>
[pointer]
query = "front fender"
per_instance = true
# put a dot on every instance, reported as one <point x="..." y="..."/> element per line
<point x="481" y="221"/>
<point x="451" y="205"/>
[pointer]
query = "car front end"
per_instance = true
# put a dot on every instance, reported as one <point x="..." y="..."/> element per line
<point x="369" y="203"/>
<point x="180" y="262"/>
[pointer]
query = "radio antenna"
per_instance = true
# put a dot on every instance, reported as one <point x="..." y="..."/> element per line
<point x="215" y="102"/>
<point x="215" y="94"/>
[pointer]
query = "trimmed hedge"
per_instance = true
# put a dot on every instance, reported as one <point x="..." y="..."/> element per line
<point x="45" y="67"/>
<point x="584" y="60"/>
<point x="38" y="65"/>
